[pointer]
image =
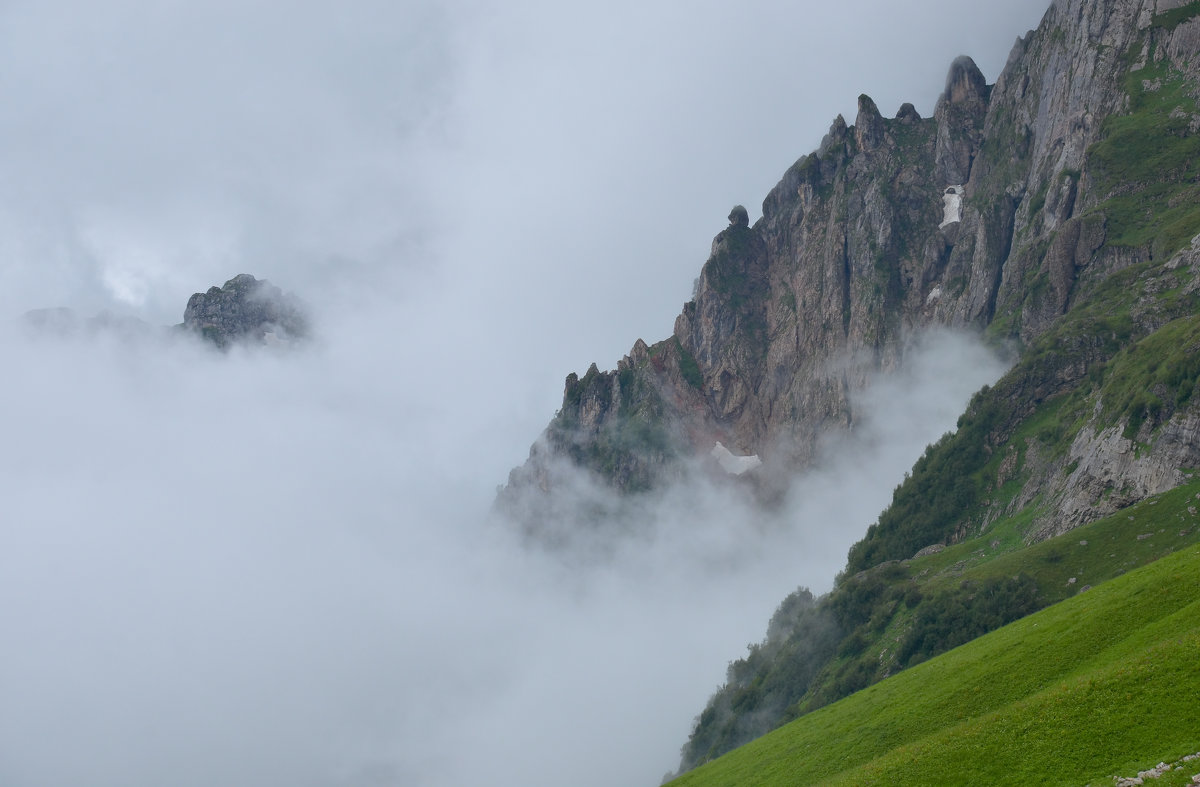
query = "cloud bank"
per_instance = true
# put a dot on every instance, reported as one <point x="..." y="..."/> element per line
<point x="277" y="569"/>
<point x="252" y="569"/>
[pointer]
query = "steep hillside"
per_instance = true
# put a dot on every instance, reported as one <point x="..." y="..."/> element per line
<point x="1099" y="686"/>
<point x="877" y="623"/>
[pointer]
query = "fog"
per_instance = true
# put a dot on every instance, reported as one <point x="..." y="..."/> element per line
<point x="278" y="568"/>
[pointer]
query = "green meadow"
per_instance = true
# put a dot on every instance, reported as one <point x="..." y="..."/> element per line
<point x="1104" y="683"/>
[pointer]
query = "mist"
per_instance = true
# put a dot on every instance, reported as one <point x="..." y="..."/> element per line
<point x="279" y="568"/>
<point x="249" y="569"/>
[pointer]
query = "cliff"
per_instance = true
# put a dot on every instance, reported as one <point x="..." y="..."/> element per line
<point x="1010" y="208"/>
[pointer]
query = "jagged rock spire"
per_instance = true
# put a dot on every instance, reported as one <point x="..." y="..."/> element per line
<point x="964" y="82"/>
<point x="836" y="136"/>
<point x="868" y="126"/>
<point x="960" y="113"/>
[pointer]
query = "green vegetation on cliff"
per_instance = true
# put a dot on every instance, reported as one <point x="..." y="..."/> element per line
<point x="1148" y="162"/>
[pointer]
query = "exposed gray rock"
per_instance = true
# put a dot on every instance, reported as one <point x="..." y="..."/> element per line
<point x="960" y="116"/>
<point x="1111" y="474"/>
<point x="869" y="129"/>
<point x="246" y="309"/>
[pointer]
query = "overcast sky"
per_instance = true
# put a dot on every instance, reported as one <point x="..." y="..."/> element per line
<point x="277" y="570"/>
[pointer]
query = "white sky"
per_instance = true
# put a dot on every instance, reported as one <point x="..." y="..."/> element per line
<point x="276" y="570"/>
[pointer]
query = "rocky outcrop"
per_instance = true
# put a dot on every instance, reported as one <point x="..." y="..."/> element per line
<point x="1158" y="771"/>
<point x="1007" y="209"/>
<point x="245" y="309"/>
<point x="1111" y="473"/>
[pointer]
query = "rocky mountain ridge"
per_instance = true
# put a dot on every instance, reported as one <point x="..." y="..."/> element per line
<point x="1008" y="208"/>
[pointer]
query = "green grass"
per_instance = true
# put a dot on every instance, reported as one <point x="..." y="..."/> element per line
<point x="900" y="614"/>
<point x="977" y="585"/>
<point x="1102" y="684"/>
<point x="689" y="369"/>
<point x="1159" y="372"/>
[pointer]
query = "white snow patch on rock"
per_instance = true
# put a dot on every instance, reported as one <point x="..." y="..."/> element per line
<point x="731" y="463"/>
<point x="952" y="206"/>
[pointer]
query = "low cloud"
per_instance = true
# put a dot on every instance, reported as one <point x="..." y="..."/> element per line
<point x="250" y="568"/>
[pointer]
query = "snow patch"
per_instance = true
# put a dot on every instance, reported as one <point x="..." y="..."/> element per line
<point x="731" y="463"/>
<point x="952" y="206"/>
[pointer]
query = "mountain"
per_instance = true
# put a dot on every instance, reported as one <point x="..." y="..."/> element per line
<point x="1056" y="212"/>
<point x="245" y="310"/>
<point x="1009" y="208"/>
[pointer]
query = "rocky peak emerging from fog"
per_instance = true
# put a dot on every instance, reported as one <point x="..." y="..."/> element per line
<point x="1007" y="209"/>
<point x="245" y="309"/>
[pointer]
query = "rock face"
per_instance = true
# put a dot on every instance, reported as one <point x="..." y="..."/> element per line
<point x="245" y="309"/>
<point x="1052" y="190"/>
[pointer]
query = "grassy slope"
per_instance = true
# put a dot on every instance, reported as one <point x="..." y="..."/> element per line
<point x="1104" y="683"/>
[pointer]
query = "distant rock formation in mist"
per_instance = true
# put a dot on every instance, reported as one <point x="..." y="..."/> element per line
<point x="63" y="322"/>
<point x="246" y="309"/>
